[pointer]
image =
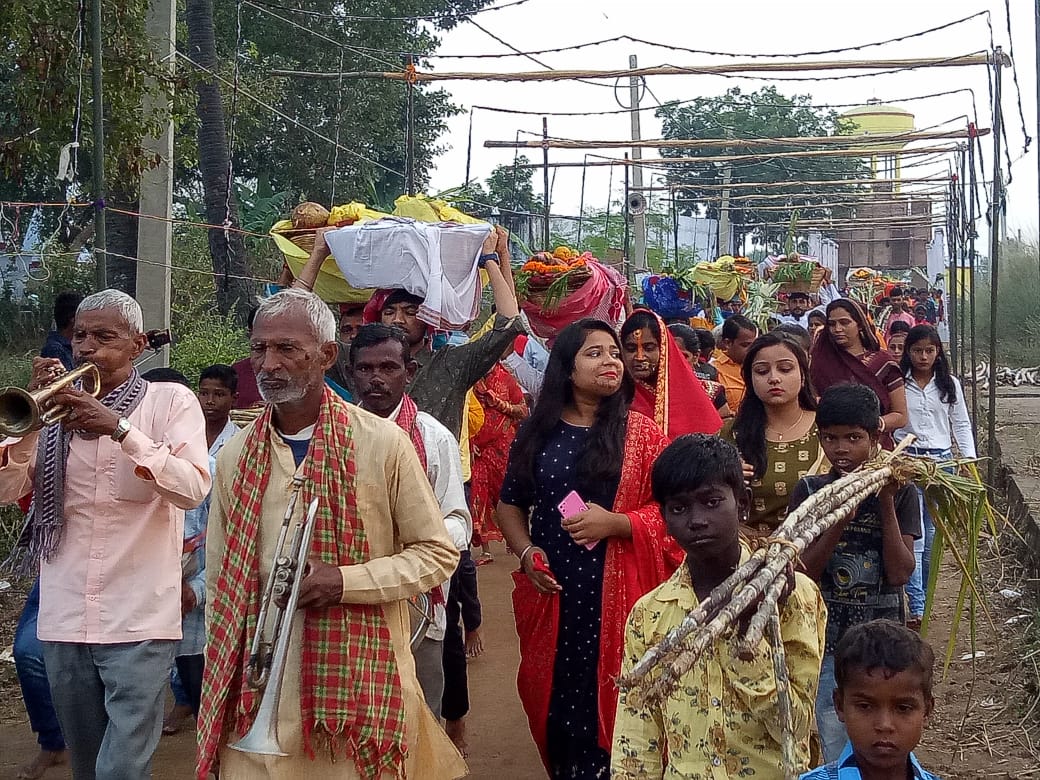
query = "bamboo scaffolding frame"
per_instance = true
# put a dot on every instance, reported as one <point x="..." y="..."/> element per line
<point x="778" y="184"/>
<point x="749" y="143"/>
<point x="791" y="66"/>
<point x="934" y="198"/>
<point x="865" y="152"/>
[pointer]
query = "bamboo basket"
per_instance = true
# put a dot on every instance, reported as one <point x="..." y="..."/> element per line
<point x="537" y="290"/>
<point x="820" y="275"/>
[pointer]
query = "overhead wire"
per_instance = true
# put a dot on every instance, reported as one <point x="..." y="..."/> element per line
<point x="756" y="104"/>
<point x="689" y="50"/>
<point x="1014" y="77"/>
<point x="526" y="56"/>
<point x="360" y="52"/>
<point x="291" y="120"/>
<point x="420" y="18"/>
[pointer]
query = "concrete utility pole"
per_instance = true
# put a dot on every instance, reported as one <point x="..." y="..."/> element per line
<point x="724" y="228"/>
<point x="638" y="220"/>
<point x="98" y="151"/>
<point x="155" y="236"/>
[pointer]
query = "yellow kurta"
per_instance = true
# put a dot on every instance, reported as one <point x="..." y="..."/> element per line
<point x="410" y="554"/>
<point x="722" y="720"/>
<point x="731" y="379"/>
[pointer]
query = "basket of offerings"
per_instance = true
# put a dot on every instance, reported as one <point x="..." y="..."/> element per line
<point x="556" y="288"/>
<point x="549" y="277"/>
<point x="797" y="273"/>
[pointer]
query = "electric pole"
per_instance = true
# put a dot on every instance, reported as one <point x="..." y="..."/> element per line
<point x="155" y="236"/>
<point x="100" y="258"/>
<point x="724" y="227"/>
<point x="638" y="220"/>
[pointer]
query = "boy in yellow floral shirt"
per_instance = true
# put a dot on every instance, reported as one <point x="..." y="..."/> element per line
<point x="723" y="720"/>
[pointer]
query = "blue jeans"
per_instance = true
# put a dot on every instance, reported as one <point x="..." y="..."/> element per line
<point x="32" y="676"/>
<point x="832" y="731"/>
<point x="180" y="696"/>
<point x="917" y="587"/>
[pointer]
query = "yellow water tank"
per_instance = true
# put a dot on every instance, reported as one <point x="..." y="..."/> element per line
<point x="876" y="118"/>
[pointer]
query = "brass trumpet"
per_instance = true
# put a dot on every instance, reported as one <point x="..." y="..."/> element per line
<point x="269" y="651"/>
<point x="22" y="412"/>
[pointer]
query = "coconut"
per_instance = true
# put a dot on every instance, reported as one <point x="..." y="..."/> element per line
<point x="309" y="215"/>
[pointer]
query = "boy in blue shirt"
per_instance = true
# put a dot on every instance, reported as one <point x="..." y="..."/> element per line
<point x="884" y="698"/>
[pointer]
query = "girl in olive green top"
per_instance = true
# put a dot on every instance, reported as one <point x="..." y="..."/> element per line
<point x="775" y="429"/>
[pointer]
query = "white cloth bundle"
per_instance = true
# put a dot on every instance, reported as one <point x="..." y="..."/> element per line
<point x="436" y="261"/>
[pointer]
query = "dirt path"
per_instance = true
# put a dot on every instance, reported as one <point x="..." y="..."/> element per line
<point x="997" y="740"/>
<point x="500" y="743"/>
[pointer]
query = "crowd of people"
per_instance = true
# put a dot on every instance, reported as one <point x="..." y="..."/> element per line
<point x="629" y="470"/>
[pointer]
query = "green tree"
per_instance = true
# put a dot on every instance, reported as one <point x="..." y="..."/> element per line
<point x="765" y="113"/>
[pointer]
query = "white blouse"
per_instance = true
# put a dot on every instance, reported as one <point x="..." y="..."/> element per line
<point x="937" y="424"/>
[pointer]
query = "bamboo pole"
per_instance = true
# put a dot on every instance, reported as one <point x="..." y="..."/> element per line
<point x="778" y="184"/>
<point x="782" y="66"/>
<point x="865" y="152"/>
<point x="749" y="143"/>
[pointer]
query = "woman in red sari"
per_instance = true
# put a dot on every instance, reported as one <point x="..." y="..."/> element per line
<point x="504" y="407"/>
<point x="667" y="391"/>
<point x="580" y="575"/>
<point x="848" y="350"/>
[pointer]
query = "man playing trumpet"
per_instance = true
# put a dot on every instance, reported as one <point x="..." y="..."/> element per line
<point x="111" y="483"/>
<point x="350" y="705"/>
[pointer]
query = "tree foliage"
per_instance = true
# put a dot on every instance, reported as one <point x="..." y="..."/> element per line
<point x="765" y="113"/>
<point x="287" y="146"/>
<point x="46" y="94"/>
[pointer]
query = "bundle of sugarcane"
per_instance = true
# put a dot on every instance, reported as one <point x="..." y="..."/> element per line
<point x="754" y="590"/>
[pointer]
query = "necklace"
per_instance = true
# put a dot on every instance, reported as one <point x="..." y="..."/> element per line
<point x="780" y="434"/>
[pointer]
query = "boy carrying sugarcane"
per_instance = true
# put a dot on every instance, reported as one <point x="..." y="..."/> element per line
<point x="725" y="716"/>
<point x="861" y="563"/>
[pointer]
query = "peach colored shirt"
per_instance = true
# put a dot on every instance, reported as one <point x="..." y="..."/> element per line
<point x="116" y="576"/>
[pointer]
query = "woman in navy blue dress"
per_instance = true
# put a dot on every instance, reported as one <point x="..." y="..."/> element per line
<point x="579" y="574"/>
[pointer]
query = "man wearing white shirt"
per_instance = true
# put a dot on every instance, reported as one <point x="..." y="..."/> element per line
<point x="382" y="367"/>
<point x="798" y="304"/>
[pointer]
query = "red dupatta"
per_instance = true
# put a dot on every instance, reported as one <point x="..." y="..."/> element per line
<point x="633" y="567"/>
<point x="678" y="403"/>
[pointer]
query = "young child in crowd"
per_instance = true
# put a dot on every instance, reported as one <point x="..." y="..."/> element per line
<point x="884" y="698"/>
<point x="897" y="339"/>
<point x="724" y="715"/>
<point x="863" y="562"/>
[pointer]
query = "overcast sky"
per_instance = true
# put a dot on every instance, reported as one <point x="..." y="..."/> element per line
<point x="742" y="26"/>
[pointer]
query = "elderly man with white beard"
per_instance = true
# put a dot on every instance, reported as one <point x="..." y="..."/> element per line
<point x="350" y="704"/>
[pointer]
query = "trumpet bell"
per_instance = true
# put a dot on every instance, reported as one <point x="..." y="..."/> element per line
<point x="19" y="412"/>
<point x="22" y="412"/>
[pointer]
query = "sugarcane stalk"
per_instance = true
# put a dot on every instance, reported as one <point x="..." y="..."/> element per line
<point x="744" y="598"/>
<point x="826" y="498"/>
<point x="784" y="700"/>
<point x="703" y="613"/>
<point x="757" y="625"/>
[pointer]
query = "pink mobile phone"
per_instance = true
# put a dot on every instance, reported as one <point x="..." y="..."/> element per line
<point x="572" y="505"/>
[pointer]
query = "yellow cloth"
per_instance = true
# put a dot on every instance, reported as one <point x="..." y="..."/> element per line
<point x="723" y="720"/>
<point x="410" y="553"/>
<point x="472" y="422"/>
<point x="729" y="376"/>
<point x="721" y="276"/>
<point x="427" y="209"/>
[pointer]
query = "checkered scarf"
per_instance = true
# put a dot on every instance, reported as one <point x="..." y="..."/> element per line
<point x="350" y="692"/>
<point x="408" y="421"/>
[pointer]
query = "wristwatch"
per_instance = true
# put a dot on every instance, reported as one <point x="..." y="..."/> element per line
<point x="122" y="429"/>
<point x="483" y="259"/>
